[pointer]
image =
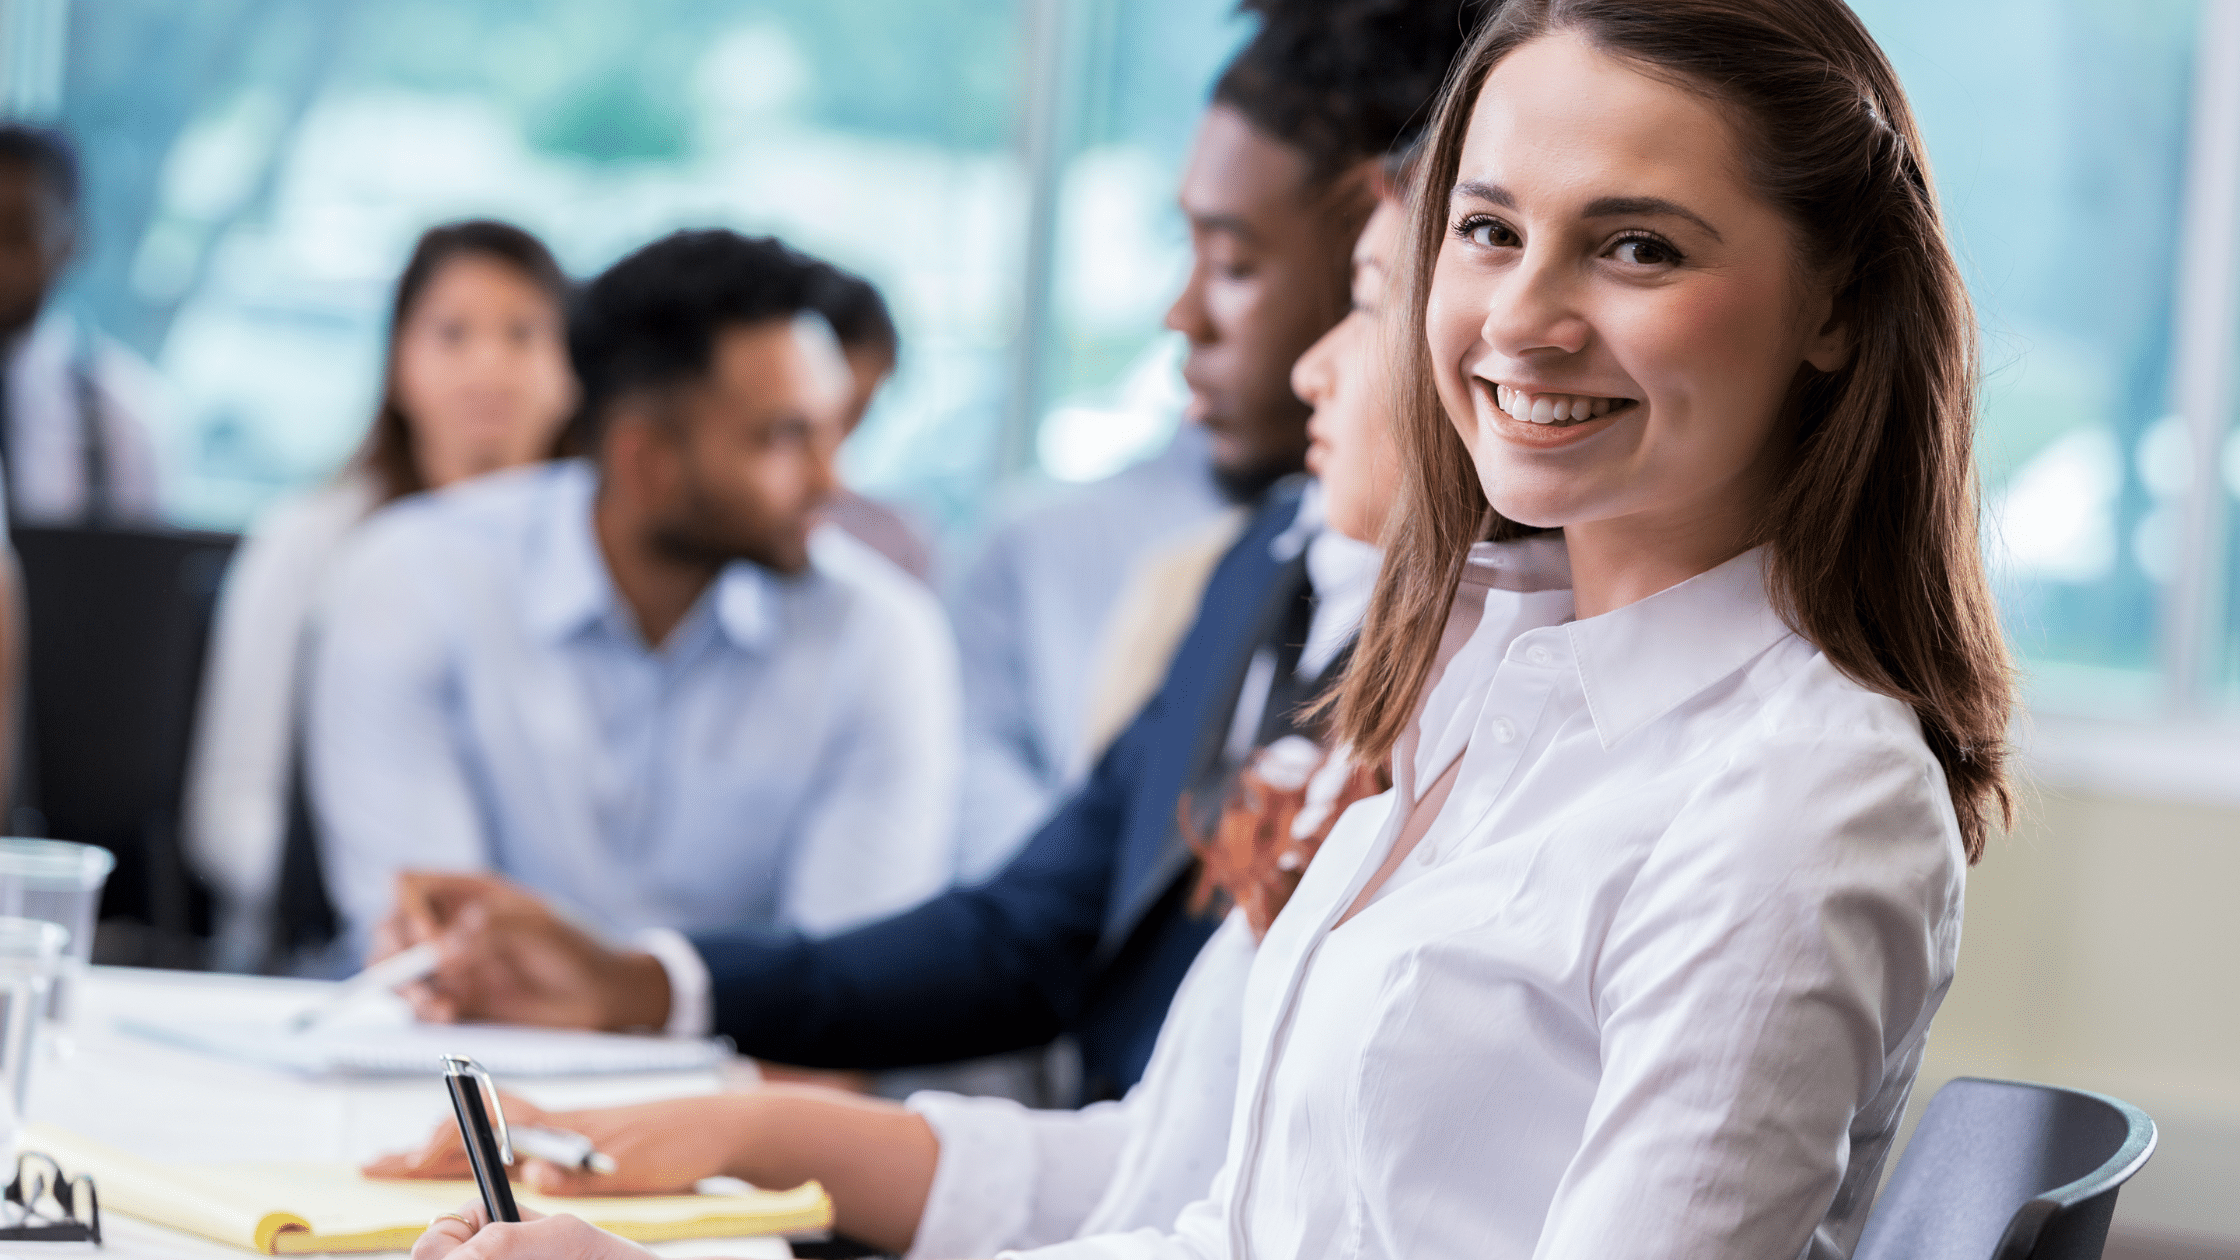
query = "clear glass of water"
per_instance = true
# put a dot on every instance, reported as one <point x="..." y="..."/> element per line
<point x="60" y="882"/>
<point x="31" y="953"/>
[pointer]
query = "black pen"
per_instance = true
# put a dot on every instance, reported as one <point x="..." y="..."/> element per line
<point x="482" y="1127"/>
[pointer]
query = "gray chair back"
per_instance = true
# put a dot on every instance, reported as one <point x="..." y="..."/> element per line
<point x="2005" y="1170"/>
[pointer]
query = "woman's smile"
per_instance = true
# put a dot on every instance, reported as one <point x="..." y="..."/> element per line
<point x="1537" y="416"/>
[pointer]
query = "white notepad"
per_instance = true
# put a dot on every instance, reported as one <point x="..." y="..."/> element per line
<point x="416" y="1049"/>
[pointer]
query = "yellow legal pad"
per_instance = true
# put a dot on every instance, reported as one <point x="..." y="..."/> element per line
<point x="299" y="1209"/>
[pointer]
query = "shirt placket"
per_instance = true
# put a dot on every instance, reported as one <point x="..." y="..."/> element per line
<point x="1507" y="730"/>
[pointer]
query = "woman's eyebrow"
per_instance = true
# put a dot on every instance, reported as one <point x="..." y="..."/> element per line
<point x="1599" y="208"/>
<point x="1612" y="207"/>
<point x="1494" y="193"/>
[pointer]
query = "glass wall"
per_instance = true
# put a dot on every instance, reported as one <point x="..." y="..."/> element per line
<point x="258" y="170"/>
<point x="1109" y="374"/>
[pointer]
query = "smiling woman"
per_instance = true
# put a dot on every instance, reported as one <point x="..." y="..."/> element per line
<point x="1737" y="323"/>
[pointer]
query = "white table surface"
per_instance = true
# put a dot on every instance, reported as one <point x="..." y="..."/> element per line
<point x="177" y="1106"/>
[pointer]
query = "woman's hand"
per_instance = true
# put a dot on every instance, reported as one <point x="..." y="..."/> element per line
<point x="658" y="1148"/>
<point x="468" y="1235"/>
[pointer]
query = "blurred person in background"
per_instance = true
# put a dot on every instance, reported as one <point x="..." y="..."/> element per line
<point x="1050" y="678"/>
<point x="1087" y="932"/>
<point x="1058" y="615"/>
<point x="75" y="408"/>
<point x="647" y="684"/>
<point x="859" y="318"/>
<point x="477" y="380"/>
<point x="914" y="1179"/>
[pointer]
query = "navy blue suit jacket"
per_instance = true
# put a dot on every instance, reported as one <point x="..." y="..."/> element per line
<point x="1084" y="932"/>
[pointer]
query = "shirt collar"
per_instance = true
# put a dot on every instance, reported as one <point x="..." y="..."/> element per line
<point x="1639" y="662"/>
<point x="567" y="586"/>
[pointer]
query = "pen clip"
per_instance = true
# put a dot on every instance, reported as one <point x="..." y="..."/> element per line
<point x="461" y="1065"/>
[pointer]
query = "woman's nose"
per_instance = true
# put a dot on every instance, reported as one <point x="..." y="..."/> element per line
<point x="1535" y="310"/>
<point x="1311" y="376"/>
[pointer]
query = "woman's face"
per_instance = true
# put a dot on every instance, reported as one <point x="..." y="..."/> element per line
<point x="1616" y="315"/>
<point x="1347" y="377"/>
<point x="482" y="371"/>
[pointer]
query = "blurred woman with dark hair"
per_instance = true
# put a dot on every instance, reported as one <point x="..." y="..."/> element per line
<point x="477" y="380"/>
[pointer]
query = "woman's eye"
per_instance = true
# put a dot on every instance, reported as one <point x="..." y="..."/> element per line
<point x="1489" y="233"/>
<point x="1645" y="251"/>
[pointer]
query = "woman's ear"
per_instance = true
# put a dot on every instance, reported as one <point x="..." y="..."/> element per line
<point x="1828" y="349"/>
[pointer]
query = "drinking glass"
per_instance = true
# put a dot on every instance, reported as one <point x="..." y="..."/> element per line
<point x="60" y="882"/>
<point x="31" y="952"/>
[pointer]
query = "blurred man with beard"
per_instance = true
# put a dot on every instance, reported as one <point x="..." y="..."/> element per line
<point x="645" y="684"/>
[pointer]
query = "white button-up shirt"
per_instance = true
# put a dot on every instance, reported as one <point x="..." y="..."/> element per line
<point x="483" y="699"/>
<point x="1697" y="896"/>
<point x="238" y="779"/>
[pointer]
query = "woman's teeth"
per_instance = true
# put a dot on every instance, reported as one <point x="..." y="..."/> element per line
<point x="1553" y="408"/>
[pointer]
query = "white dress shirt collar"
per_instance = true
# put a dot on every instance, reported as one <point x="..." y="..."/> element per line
<point x="1639" y="662"/>
<point x="1635" y="664"/>
<point x="569" y="587"/>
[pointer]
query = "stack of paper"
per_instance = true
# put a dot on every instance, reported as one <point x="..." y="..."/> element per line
<point x="303" y="1209"/>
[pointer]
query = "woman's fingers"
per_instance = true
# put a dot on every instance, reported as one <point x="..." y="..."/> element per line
<point x="449" y="1232"/>
<point x="443" y="1155"/>
<point x="444" y="1236"/>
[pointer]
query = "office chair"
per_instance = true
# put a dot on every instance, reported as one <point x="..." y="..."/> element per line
<point x="118" y="622"/>
<point x="2004" y="1170"/>
<point x="304" y="921"/>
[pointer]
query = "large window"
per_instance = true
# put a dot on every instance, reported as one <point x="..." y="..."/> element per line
<point x="259" y="169"/>
<point x="2075" y="153"/>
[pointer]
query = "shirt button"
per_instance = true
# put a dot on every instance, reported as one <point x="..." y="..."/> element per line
<point x="1505" y="730"/>
<point x="1539" y="654"/>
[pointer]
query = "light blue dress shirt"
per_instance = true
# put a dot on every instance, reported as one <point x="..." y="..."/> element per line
<point x="481" y="698"/>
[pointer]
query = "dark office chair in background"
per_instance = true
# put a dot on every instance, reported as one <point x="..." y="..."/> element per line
<point x="2003" y="1170"/>
<point x="304" y="922"/>
<point x="118" y="622"/>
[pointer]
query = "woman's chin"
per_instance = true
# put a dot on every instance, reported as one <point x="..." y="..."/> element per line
<point x="1529" y="498"/>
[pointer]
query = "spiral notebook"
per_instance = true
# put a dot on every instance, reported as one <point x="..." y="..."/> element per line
<point x="307" y="1209"/>
<point x="415" y="1049"/>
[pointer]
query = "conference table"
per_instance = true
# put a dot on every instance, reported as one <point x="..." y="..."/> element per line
<point x="180" y="1106"/>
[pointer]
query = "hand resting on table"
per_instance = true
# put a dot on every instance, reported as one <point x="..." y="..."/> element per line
<point x="658" y="1148"/>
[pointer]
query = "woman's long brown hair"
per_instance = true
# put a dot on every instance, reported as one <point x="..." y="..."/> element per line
<point x="1871" y="538"/>
<point x="387" y="452"/>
